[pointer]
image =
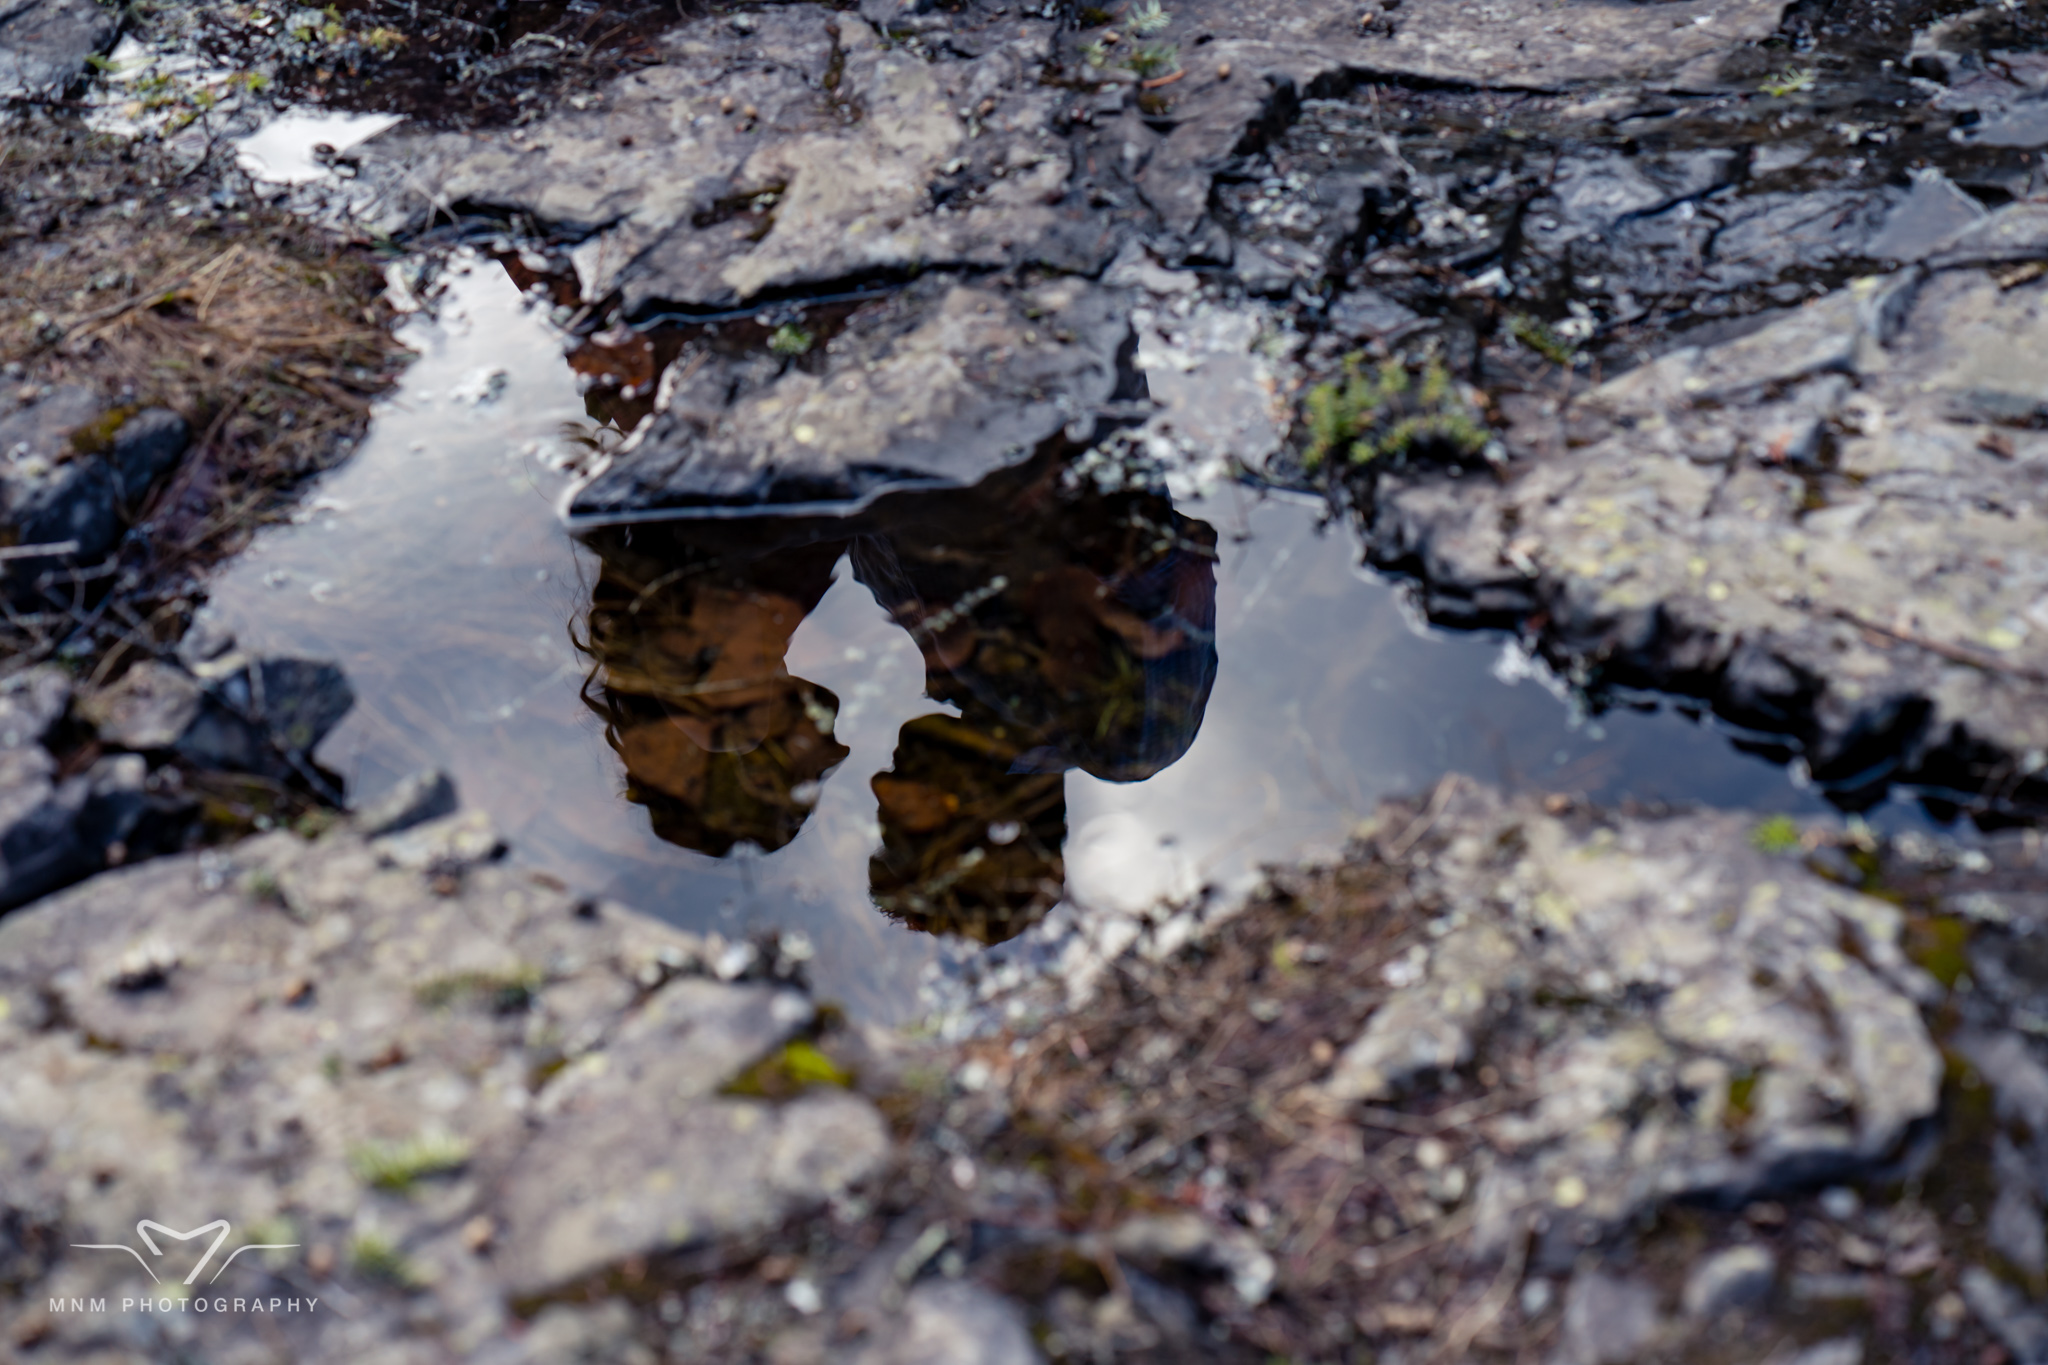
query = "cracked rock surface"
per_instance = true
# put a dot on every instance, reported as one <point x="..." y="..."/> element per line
<point x="1832" y="526"/>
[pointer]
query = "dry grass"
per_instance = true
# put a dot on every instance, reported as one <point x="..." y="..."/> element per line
<point x="154" y="284"/>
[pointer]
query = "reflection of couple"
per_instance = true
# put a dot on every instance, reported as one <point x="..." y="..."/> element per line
<point x="1070" y="629"/>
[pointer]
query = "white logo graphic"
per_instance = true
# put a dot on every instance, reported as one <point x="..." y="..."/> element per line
<point x="220" y="1229"/>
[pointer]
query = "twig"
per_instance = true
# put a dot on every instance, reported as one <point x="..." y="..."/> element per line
<point x="1422" y="823"/>
<point x="54" y="547"/>
<point x="1157" y="81"/>
<point x="1953" y="653"/>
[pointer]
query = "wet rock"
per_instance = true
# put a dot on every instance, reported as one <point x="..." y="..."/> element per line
<point x="44" y="44"/>
<point x="150" y="707"/>
<point x="1840" y="598"/>
<point x="51" y="493"/>
<point x="264" y="716"/>
<point x="414" y="799"/>
<point x="938" y="385"/>
<point x="949" y="1324"/>
<point x="144" y="449"/>
<point x="1737" y="1278"/>
<point x="1608" y="1320"/>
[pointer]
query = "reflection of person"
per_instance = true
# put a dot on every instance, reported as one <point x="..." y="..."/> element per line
<point x="1068" y="628"/>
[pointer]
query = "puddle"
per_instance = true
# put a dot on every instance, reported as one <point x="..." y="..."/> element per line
<point x="944" y="715"/>
<point x="298" y="147"/>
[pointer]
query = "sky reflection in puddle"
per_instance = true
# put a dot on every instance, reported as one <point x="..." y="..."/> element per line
<point x="956" y="710"/>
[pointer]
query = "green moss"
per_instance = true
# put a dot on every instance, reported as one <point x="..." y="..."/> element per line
<point x="1386" y="413"/>
<point x="1789" y="82"/>
<point x="505" y="992"/>
<point x="790" y="339"/>
<point x="1742" y="1098"/>
<point x="1147" y="18"/>
<point x="376" y="1259"/>
<point x="1939" y="945"/>
<point x="1153" y="59"/>
<point x="1539" y="337"/>
<point x="398" y="1166"/>
<point x="1777" y="835"/>
<point x="97" y="436"/>
<point x="788" y="1071"/>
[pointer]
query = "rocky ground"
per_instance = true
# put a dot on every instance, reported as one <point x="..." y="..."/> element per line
<point x="1695" y="343"/>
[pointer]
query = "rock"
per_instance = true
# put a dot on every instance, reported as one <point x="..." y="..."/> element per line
<point x="1932" y="213"/>
<point x="414" y="799"/>
<point x="145" y="447"/>
<point x="151" y="706"/>
<point x="1190" y="1240"/>
<point x="2003" y="1309"/>
<point x="409" y="1057"/>
<point x="52" y="831"/>
<point x="32" y="701"/>
<point x="44" y="44"/>
<point x="1687" y="914"/>
<point x="1886" y="653"/>
<point x="444" y="844"/>
<point x="938" y="385"/>
<point x="1736" y="1278"/>
<point x="260" y="715"/>
<point x="1608" y="1320"/>
<point x="949" y="1324"/>
<point x="1840" y="1351"/>
<point x="50" y="493"/>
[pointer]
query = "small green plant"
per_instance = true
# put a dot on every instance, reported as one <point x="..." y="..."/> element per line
<point x="1147" y="18"/>
<point x="376" y="1259"/>
<point x="790" y="339"/>
<point x="1776" y="835"/>
<point x="1096" y="54"/>
<point x="1368" y="415"/>
<point x="398" y="1166"/>
<point x="1153" y="59"/>
<point x="796" y="1067"/>
<point x="1543" y="339"/>
<point x="1789" y="82"/>
<point x="502" y="992"/>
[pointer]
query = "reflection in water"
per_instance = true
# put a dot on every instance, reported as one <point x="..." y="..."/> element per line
<point x="1065" y="627"/>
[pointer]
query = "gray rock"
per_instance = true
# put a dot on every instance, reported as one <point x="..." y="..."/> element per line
<point x="50" y="493"/>
<point x="1188" y="1239"/>
<point x="949" y="1324"/>
<point x="414" y="799"/>
<point x="1857" y="616"/>
<point x="145" y="447"/>
<point x="938" y="385"/>
<point x="1931" y="214"/>
<point x="2022" y="1327"/>
<point x="1735" y="1278"/>
<point x="32" y="701"/>
<point x="151" y="706"/>
<point x="1608" y="1320"/>
<point x="1840" y="1351"/>
<point x="44" y="44"/>
<point x="565" y="1060"/>
<point x="260" y="715"/>
<point x="39" y="844"/>
<point x="1734" y="962"/>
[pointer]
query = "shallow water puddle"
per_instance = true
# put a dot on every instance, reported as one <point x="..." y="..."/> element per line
<point x="944" y="715"/>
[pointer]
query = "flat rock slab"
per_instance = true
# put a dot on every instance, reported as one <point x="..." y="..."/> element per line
<point x="796" y="154"/>
<point x="937" y="385"/>
<point x="44" y="44"/>
<point x="336" y="1045"/>
<point x="1836" y="525"/>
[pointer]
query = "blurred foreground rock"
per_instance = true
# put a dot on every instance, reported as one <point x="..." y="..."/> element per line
<point x="1626" y="1087"/>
